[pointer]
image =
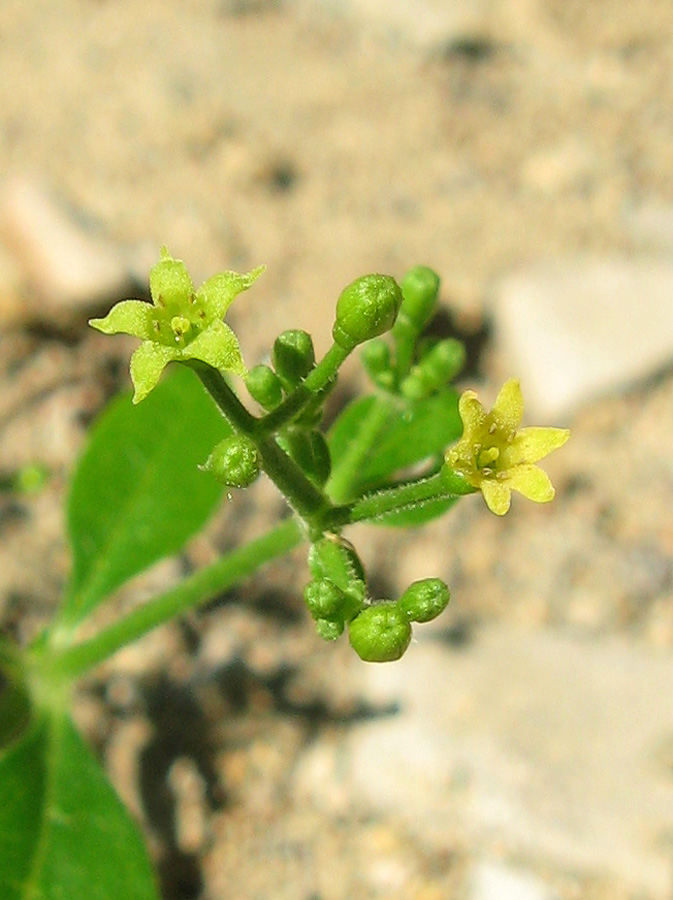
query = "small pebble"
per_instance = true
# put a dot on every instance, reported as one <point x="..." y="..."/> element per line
<point x="64" y="268"/>
<point x="496" y="881"/>
<point x="576" y="329"/>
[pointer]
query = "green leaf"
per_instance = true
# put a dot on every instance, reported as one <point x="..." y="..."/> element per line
<point x="64" y="833"/>
<point x="417" y="432"/>
<point x="137" y="494"/>
<point x="424" y="430"/>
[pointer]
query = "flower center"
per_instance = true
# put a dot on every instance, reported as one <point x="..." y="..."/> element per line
<point x="180" y="326"/>
<point x="487" y="457"/>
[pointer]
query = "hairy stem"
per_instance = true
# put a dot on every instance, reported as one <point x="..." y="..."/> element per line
<point x="303" y="496"/>
<point x="197" y="589"/>
<point x="405" y="496"/>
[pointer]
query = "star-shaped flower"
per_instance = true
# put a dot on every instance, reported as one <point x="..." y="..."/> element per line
<point x="180" y="323"/>
<point x="497" y="457"/>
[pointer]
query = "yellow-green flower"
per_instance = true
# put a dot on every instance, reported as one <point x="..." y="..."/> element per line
<point x="180" y="323"/>
<point x="497" y="457"/>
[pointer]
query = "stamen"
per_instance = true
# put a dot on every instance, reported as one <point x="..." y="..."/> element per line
<point x="486" y="457"/>
<point x="180" y="326"/>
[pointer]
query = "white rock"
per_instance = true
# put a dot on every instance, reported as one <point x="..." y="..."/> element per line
<point x="423" y="23"/>
<point x="574" y="329"/>
<point x="63" y="266"/>
<point x="495" y="881"/>
<point x="563" y="167"/>
<point x="541" y="745"/>
<point x="651" y="224"/>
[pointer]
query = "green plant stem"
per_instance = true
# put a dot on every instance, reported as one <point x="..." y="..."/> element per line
<point x="303" y="496"/>
<point x="229" y="404"/>
<point x="301" y="396"/>
<point x="344" y="475"/>
<point x="197" y="589"/>
<point x="305" y="499"/>
<point x="403" y="496"/>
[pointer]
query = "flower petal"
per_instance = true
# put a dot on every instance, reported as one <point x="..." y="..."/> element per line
<point x="218" y="346"/>
<point x="473" y="415"/>
<point x="217" y="292"/>
<point x="532" y="444"/>
<point x="170" y="284"/>
<point x="532" y="482"/>
<point x="127" y="317"/>
<point x="507" y="410"/>
<point x="147" y="364"/>
<point x="497" y="496"/>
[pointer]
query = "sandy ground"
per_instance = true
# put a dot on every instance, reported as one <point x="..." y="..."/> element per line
<point x="321" y="142"/>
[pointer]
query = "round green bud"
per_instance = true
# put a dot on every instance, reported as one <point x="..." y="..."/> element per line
<point x="420" y="288"/>
<point x="445" y="360"/>
<point x="293" y="356"/>
<point x="170" y="283"/>
<point x="380" y="633"/>
<point x="324" y="599"/>
<point x="264" y="386"/>
<point x="416" y="386"/>
<point x="335" y="558"/>
<point x="437" y="368"/>
<point x="329" y="629"/>
<point x="235" y="461"/>
<point x="366" y="308"/>
<point x="424" y="600"/>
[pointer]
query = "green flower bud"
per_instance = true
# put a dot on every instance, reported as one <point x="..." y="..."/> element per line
<point x="424" y="600"/>
<point x="366" y="308"/>
<point x="293" y="356"/>
<point x="328" y="629"/>
<point x="324" y="599"/>
<point x="335" y="558"/>
<point x="235" y="461"/>
<point x="445" y="360"/>
<point x="264" y="386"/>
<point x="380" y="633"/>
<point x="416" y="386"/>
<point x="420" y="287"/>
<point x="440" y="366"/>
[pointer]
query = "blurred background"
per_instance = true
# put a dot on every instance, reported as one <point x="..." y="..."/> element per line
<point x="523" y="748"/>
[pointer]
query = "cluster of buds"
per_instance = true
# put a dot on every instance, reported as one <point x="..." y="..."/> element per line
<point x="336" y="597"/>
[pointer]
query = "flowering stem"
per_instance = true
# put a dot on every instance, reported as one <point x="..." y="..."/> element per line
<point x="410" y="495"/>
<point x="303" y="496"/>
<point x="197" y="589"/>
